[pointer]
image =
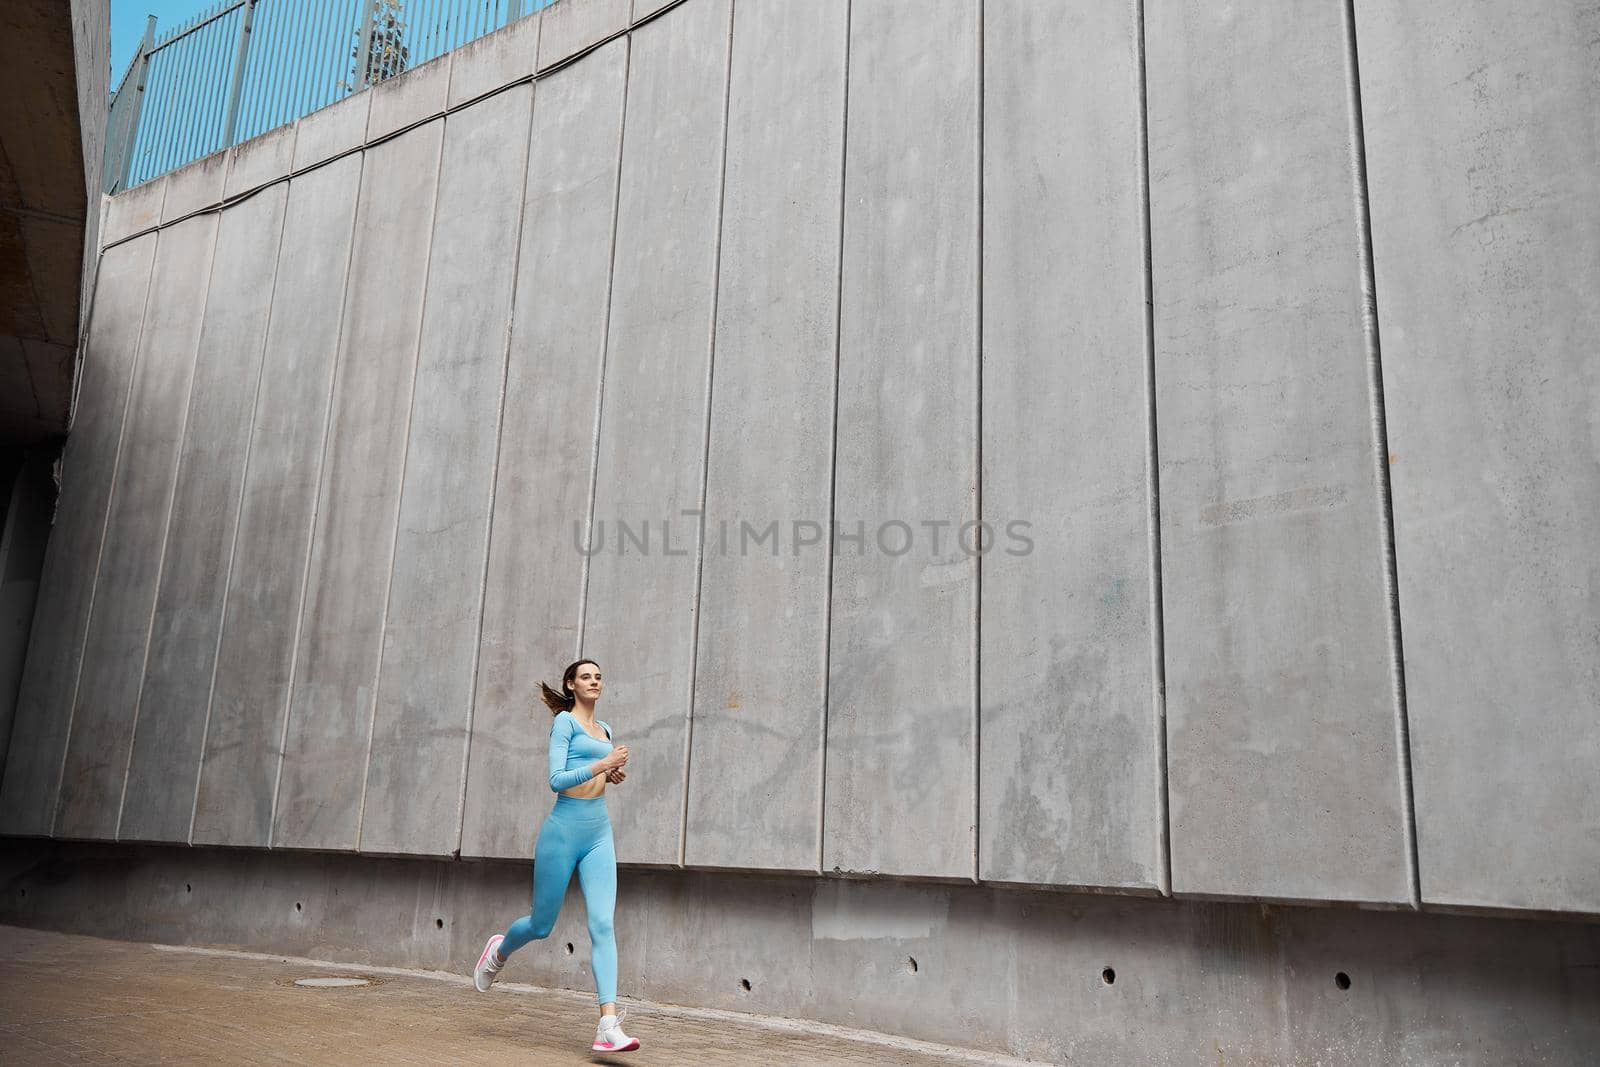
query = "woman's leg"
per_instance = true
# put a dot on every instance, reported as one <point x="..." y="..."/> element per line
<point x="597" y="874"/>
<point x="554" y="857"/>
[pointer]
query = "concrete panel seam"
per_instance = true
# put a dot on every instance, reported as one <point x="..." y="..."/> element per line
<point x="494" y="471"/>
<point x="399" y="503"/>
<point x="311" y="519"/>
<point x="1158" y="654"/>
<point x="977" y="476"/>
<point x="605" y="346"/>
<point x="1380" y="445"/>
<point x="233" y="543"/>
<point x="705" y="451"/>
<point x="105" y="521"/>
<point x="833" y="444"/>
<point x="166" y="532"/>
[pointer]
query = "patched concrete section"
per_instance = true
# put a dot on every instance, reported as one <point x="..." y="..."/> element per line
<point x="259" y="160"/>
<point x="250" y="694"/>
<point x="336" y="128"/>
<point x="497" y="60"/>
<point x="49" y="680"/>
<point x="176" y="693"/>
<point x="903" y="638"/>
<point x="1490" y="322"/>
<point x="125" y="587"/>
<point x="640" y="615"/>
<point x="416" y="773"/>
<point x="570" y="26"/>
<point x="1283" y="771"/>
<point x="1054" y="977"/>
<point x="414" y="96"/>
<point x="347" y="586"/>
<point x="755" y="775"/>
<point x="1070" y="775"/>
<point x="534" y="589"/>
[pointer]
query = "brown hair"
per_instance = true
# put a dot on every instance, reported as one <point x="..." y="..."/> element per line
<point x="564" y="700"/>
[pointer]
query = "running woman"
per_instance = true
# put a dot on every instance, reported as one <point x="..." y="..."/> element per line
<point x="576" y="836"/>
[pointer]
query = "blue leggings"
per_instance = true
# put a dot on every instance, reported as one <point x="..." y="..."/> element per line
<point x="576" y="835"/>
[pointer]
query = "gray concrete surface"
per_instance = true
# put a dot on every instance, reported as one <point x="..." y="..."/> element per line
<point x="760" y="673"/>
<point x="75" y="1000"/>
<point x="1070" y="766"/>
<point x="1483" y="157"/>
<point x="105" y="711"/>
<point x="55" y="648"/>
<point x="329" y="732"/>
<point x="53" y="59"/>
<point x="533" y="591"/>
<point x="1015" y="972"/>
<point x="1284" y="778"/>
<point x="1286" y="767"/>
<point x="900" y="793"/>
<point x="184" y="630"/>
<point x="569" y="28"/>
<point x="416" y="771"/>
<point x="499" y="59"/>
<point x="24" y="536"/>
<point x="639" y="619"/>
<point x="236" y="780"/>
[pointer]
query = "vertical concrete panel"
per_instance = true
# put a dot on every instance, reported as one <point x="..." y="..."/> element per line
<point x="1070" y="778"/>
<point x="416" y="774"/>
<point x="176" y="693"/>
<point x="534" y="592"/>
<point x="1484" y="166"/>
<point x="639" y="619"/>
<point x="755" y="776"/>
<point x="903" y="637"/>
<point x="136" y="524"/>
<point x="1281" y="721"/>
<point x="336" y="671"/>
<point x="244" y="730"/>
<point x="66" y="586"/>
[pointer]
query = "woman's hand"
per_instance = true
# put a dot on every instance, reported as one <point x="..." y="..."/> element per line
<point x="616" y="776"/>
<point x="615" y="761"/>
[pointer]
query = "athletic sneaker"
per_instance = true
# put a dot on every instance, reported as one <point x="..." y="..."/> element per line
<point x="610" y="1038"/>
<point x="483" y="974"/>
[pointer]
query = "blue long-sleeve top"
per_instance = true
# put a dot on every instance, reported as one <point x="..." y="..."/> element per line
<point x="573" y="752"/>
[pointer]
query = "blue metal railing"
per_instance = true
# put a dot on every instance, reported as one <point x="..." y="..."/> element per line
<point x="242" y="67"/>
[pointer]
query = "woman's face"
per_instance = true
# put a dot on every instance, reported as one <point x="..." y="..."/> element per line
<point x="586" y="683"/>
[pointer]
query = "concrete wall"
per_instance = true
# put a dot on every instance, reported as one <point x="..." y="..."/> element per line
<point x="706" y="284"/>
<point x="1054" y="977"/>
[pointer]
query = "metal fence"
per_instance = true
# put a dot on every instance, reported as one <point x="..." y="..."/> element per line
<point x="242" y="67"/>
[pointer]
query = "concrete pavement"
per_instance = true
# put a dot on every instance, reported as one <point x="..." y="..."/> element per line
<point x="66" y="999"/>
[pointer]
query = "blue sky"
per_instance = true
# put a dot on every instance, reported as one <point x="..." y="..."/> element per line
<point x="127" y="26"/>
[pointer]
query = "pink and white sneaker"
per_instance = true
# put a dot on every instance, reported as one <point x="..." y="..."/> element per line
<point x="488" y="967"/>
<point x="610" y="1038"/>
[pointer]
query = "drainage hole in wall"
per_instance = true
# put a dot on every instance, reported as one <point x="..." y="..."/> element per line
<point x="24" y="893"/>
<point x="911" y="964"/>
<point x="1108" y="976"/>
<point x="569" y="948"/>
<point x="1342" y="980"/>
<point x="438" y="924"/>
<point x="297" y="906"/>
<point x="744" y="984"/>
<point x="187" y="888"/>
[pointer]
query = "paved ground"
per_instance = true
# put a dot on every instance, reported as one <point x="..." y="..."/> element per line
<point x="66" y="999"/>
